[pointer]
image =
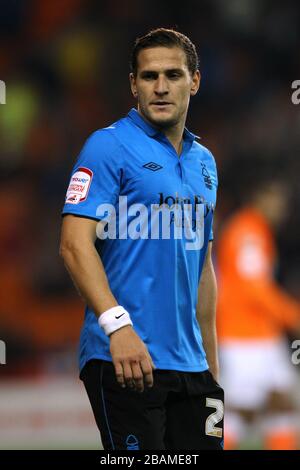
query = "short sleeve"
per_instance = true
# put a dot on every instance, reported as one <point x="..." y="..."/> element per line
<point x="96" y="176"/>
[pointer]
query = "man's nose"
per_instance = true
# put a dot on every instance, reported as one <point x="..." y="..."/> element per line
<point x="161" y="86"/>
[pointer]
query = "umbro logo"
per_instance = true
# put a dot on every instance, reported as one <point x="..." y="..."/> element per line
<point x="152" y="166"/>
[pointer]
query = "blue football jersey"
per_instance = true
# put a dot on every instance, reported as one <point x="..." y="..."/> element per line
<point x="158" y="210"/>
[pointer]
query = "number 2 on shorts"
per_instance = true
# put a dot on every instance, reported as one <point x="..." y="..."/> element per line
<point x="214" y="418"/>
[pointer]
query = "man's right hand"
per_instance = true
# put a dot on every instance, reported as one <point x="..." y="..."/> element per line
<point x="132" y="361"/>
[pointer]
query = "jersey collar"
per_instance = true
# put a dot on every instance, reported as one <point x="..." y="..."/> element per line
<point x="152" y="131"/>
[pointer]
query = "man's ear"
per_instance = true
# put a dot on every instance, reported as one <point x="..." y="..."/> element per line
<point x="133" y="84"/>
<point x="195" y="82"/>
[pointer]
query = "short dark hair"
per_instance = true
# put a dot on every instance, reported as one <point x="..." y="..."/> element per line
<point x="162" y="37"/>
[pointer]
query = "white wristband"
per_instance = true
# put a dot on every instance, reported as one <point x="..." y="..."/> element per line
<point x="114" y="319"/>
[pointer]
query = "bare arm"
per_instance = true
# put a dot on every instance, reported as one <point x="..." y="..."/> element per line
<point x="206" y="313"/>
<point x="84" y="264"/>
<point x="130" y="356"/>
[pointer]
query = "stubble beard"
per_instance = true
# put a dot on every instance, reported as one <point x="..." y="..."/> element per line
<point x="161" y="124"/>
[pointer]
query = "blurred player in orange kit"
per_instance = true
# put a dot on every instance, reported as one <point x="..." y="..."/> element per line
<point x="254" y="314"/>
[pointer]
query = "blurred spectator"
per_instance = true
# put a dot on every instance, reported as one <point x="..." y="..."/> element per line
<point x="254" y="314"/>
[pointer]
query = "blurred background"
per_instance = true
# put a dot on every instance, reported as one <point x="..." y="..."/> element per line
<point x="65" y="64"/>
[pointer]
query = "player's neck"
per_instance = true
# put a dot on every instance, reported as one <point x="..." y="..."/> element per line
<point x="175" y="136"/>
<point x="176" y="142"/>
<point x="173" y="133"/>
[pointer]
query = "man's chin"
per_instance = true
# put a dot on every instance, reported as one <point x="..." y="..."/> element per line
<point x="162" y="121"/>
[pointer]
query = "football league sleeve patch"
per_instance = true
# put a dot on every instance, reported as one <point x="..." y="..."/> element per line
<point x="79" y="186"/>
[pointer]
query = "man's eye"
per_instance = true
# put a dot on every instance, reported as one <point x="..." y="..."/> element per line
<point x="148" y="77"/>
<point x="174" y="75"/>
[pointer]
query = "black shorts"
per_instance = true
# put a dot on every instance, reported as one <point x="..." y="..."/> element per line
<point x="183" y="410"/>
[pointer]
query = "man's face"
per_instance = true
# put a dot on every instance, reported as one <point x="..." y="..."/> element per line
<point x="163" y="85"/>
